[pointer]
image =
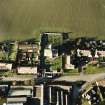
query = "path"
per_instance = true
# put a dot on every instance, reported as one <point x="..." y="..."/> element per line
<point x="88" y="78"/>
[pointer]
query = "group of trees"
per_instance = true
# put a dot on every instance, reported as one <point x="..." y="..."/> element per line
<point x="55" y="40"/>
<point x="13" y="51"/>
<point x="9" y="51"/>
<point x="54" y="64"/>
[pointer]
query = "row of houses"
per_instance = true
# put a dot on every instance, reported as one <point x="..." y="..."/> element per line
<point x="43" y="94"/>
<point x="30" y="56"/>
<point x="67" y="47"/>
<point x="25" y="56"/>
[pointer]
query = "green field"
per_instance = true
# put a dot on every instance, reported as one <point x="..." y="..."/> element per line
<point x="20" y="19"/>
<point x="89" y="70"/>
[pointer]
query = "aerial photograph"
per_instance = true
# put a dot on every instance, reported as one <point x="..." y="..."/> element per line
<point x="52" y="52"/>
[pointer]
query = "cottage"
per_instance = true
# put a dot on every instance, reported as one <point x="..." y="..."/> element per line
<point x="101" y="53"/>
<point x="19" y="95"/>
<point x="28" y="51"/>
<point x="27" y="70"/>
<point x="59" y="93"/>
<point x="28" y="58"/>
<point x="16" y="100"/>
<point x="84" y="52"/>
<point x="5" y="66"/>
<point x="50" y="52"/>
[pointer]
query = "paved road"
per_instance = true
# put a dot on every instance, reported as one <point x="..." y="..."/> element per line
<point x="88" y="78"/>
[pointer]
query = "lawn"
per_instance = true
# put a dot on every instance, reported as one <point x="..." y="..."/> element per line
<point x="71" y="72"/>
<point x="89" y="70"/>
<point x="21" y="19"/>
<point x="94" y="70"/>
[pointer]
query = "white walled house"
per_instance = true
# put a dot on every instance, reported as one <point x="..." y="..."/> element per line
<point x="16" y="100"/>
<point x="18" y="95"/>
<point x="27" y="70"/>
<point x="88" y="53"/>
<point x="48" y="53"/>
<point x="84" y="52"/>
<point x="102" y="53"/>
<point x="5" y="66"/>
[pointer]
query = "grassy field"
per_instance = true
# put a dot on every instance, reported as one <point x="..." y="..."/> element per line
<point x="20" y="19"/>
<point x="89" y="70"/>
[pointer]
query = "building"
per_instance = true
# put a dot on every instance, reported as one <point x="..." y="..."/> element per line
<point x="84" y="52"/>
<point x="27" y="70"/>
<point x="19" y="80"/>
<point x="101" y="53"/>
<point x="39" y="94"/>
<point x="88" y="53"/>
<point x="28" y="57"/>
<point x="50" y="52"/>
<point x="58" y="93"/>
<point x="18" y="95"/>
<point x="5" y="66"/>
<point x="16" y="100"/>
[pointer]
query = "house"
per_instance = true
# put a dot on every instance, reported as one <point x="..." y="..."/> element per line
<point x="101" y="53"/>
<point x="5" y="66"/>
<point x="27" y="70"/>
<point x="29" y="47"/>
<point x="84" y="52"/>
<point x="27" y="51"/>
<point x="16" y="100"/>
<point x="58" y="93"/>
<point x="18" y="95"/>
<point x="27" y="65"/>
<point x="50" y="52"/>
<point x="28" y="57"/>
<point x="88" y="53"/>
<point x="19" y="80"/>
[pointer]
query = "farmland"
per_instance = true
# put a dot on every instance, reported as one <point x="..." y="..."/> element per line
<point x="20" y="19"/>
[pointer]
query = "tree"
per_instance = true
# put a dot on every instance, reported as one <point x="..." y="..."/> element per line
<point x="33" y="57"/>
<point x="57" y="63"/>
<point x="55" y="39"/>
<point x="13" y="51"/>
<point x="93" y="52"/>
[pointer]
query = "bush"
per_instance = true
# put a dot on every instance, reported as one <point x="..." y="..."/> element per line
<point x="56" y="63"/>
